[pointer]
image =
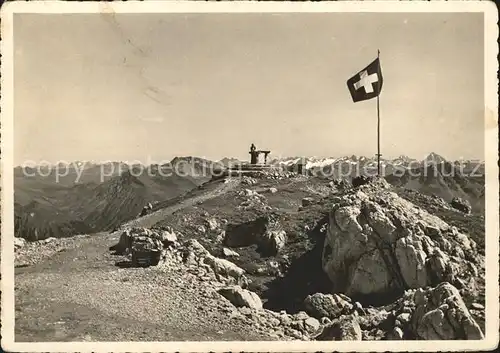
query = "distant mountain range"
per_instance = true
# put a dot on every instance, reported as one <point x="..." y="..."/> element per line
<point x="85" y="197"/>
<point x="339" y="166"/>
<point x="433" y="175"/>
<point x="190" y="165"/>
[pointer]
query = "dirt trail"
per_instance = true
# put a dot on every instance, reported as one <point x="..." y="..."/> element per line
<point x="79" y="294"/>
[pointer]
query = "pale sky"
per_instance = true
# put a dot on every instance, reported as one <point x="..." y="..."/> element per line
<point x="155" y="86"/>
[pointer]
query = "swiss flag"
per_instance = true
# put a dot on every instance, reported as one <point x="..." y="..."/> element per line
<point x="367" y="83"/>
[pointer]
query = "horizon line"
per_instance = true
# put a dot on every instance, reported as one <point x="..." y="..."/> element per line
<point x="278" y="158"/>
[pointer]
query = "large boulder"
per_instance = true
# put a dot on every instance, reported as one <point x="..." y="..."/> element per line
<point x="156" y="238"/>
<point x="378" y="243"/>
<point x="224" y="268"/>
<point x="241" y="297"/>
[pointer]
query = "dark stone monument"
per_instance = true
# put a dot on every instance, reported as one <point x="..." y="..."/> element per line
<point x="265" y="155"/>
<point x="300" y="168"/>
<point x="253" y="154"/>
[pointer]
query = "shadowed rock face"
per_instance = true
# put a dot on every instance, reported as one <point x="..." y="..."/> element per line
<point x="266" y="232"/>
<point x="379" y="244"/>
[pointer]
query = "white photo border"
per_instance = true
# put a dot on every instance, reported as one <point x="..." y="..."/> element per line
<point x="491" y="155"/>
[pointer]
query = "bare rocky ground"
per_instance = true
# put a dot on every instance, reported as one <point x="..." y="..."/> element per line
<point x="73" y="291"/>
<point x="271" y="257"/>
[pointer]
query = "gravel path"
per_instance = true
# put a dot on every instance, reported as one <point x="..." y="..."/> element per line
<point x="79" y="294"/>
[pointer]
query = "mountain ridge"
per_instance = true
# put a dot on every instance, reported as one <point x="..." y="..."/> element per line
<point x="98" y="201"/>
<point x="45" y="209"/>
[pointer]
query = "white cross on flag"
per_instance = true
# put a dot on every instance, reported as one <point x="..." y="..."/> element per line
<point x="367" y="83"/>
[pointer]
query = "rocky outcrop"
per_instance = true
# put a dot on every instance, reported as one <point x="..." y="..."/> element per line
<point x="212" y="224"/>
<point x="440" y="314"/>
<point x="156" y="238"/>
<point x="345" y="328"/>
<point x="194" y="251"/>
<point x="280" y="325"/>
<point x="252" y="200"/>
<point x="163" y="247"/>
<point x="380" y="244"/>
<point x="224" y="268"/>
<point x="225" y="271"/>
<point x="461" y="205"/>
<point x="437" y="313"/>
<point x="266" y="232"/>
<point x="379" y="249"/>
<point x="321" y="305"/>
<point x="245" y="180"/>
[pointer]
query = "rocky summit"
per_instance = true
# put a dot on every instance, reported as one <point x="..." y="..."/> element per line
<point x="379" y="244"/>
<point x="274" y="257"/>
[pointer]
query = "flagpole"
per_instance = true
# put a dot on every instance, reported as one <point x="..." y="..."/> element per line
<point x="378" y="116"/>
